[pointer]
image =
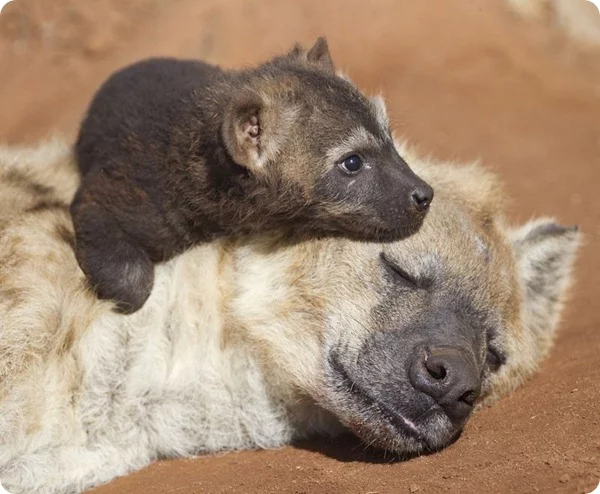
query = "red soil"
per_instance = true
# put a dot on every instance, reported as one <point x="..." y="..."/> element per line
<point x="464" y="79"/>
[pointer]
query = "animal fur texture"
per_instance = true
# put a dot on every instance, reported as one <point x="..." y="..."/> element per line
<point x="254" y="342"/>
<point x="175" y="153"/>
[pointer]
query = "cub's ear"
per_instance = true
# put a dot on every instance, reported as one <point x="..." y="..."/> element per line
<point x="319" y="55"/>
<point x="545" y="252"/>
<point x="254" y="130"/>
<point x="242" y="130"/>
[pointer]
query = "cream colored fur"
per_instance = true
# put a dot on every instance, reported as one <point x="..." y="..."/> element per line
<point x="230" y="350"/>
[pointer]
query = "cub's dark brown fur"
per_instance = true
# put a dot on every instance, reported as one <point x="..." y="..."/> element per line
<point x="175" y="153"/>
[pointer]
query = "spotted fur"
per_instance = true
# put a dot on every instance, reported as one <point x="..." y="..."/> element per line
<point x="234" y="348"/>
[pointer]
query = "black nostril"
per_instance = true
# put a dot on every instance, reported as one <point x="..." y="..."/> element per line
<point x="422" y="197"/>
<point x="451" y="377"/>
<point x="469" y="397"/>
<point x="436" y="369"/>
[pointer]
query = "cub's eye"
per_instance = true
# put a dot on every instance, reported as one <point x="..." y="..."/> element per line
<point x="494" y="360"/>
<point x="352" y="164"/>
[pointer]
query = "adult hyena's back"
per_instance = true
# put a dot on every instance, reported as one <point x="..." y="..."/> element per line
<point x="36" y="178"/>
<point x="43" y="299"/>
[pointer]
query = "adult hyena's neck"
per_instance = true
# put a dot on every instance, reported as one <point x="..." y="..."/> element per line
<point x="170" y="372"/>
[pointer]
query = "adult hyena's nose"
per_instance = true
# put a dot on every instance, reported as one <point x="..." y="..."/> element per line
<point x="451" y="377"/>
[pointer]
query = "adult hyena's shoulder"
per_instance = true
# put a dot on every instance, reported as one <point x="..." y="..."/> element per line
<point x="43" y="177"/>
<point x="43" y="296"/>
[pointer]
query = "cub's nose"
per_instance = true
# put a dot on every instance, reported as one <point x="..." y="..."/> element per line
<point x="450" y="377"/>
<point x="422" y="196"/>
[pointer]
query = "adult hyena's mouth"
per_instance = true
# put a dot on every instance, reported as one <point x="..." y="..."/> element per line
<point x="381" y="426"/>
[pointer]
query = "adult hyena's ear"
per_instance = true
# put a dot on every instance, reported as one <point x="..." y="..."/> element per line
<point x="544" y="255"/>
<point x="545" y="252"/>
<point x="254" y="130"/>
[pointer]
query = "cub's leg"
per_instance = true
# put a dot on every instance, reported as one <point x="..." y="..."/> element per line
<point x="117" y="266"/>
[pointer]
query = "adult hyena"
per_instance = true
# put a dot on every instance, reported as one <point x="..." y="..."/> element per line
<point x="254" y="342"/>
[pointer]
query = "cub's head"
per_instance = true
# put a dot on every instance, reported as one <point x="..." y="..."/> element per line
<point x="401" y="341"/>
<point x="325" y="147"/>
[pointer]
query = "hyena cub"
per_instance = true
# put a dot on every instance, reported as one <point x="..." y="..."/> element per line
<point x="175" y="153"/>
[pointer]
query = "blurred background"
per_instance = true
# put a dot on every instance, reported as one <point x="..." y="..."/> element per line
<point x="512" y="83"/>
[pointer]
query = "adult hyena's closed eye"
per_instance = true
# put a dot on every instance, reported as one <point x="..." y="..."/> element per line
<point x="252" y="343"/>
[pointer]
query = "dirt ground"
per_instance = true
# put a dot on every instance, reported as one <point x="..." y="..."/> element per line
<point x="464" y="79"/>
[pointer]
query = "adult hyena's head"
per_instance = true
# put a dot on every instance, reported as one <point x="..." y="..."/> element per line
<point x="401" y="341"/>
